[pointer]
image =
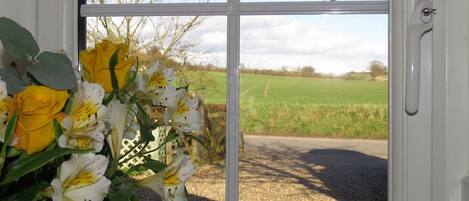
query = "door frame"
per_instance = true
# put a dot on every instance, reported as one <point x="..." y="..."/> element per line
<point x="397" y="15"/>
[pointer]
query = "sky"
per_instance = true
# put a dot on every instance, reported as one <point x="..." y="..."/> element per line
<point x="334" y="44"/>
<point x="330" y="43"/>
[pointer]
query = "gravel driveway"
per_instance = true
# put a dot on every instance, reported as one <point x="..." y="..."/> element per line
<point x="297" y="169"/>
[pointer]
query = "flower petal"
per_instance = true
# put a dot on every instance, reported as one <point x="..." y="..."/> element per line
<point x="94" y="192"/>
<point x="57" y="186"/>
<point x="117" y="119"/>
<point x="187" y="122"/>
<point x="175" y="193"/>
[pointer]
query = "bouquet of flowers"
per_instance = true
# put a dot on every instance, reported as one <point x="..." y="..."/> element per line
<point x="61" y="129"/>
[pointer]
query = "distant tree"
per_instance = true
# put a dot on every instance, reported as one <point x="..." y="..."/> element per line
<point x="307" y="71"/>
<point x="243" y="67"/>
<point x="377" y="68"/>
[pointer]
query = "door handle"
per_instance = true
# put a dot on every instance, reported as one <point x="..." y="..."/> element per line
<point x="419" y="23"/>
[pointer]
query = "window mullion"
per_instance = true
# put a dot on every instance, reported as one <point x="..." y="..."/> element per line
<point x="232" y="124"/>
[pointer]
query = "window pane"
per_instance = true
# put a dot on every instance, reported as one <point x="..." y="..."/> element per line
<point x="189" y="45"/>
<point x="150" y="1"/>
<point x="314" y="107"/>
<point x="301" y="0"/>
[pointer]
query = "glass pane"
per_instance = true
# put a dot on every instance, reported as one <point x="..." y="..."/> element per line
<point x="301" y="0"/>
<point x="314" y="107"/>
<point x="189" y="45"/>
<point x="150" y="1"/>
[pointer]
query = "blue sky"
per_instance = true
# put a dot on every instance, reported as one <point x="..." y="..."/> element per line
<point x="330" y="43"/>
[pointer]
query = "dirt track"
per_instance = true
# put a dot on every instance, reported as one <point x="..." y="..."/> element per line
<point x="288" y="168"/>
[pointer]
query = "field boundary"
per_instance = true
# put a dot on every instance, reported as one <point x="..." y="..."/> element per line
<point x="266" y="89"/>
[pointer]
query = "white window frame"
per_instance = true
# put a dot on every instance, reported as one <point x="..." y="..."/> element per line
<point x="233" y="9"/>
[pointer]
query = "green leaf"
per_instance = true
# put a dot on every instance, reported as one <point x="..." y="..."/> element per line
<point x="112" y="67"/>
<point x="8" y="136"/>
<point x="131" y="77"/>
<point x="145" y="122"/>
<point x="17" y="41"/>
<point x="108" y="98"/>
<point x="53" y="70"/>
<point x="146" y="133"/>
<point x="9" y="132"/>
<point x="172" y="135"/>
<point x="33" y="162"/>
<point x="57" y="130"/>
<point x="10" y="76"/>
<point x="29" y="193"/>
<point x="69" y="104"/>
<point x="133" y="74"/>
<point x="13" y="152"/>
<point x="149" y="163"/>
<point x="154" y="165"/>
<point x="198" y="140"/>
<point x="123" y="193"/>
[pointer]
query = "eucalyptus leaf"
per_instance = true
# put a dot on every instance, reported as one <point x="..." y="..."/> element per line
<point x="10" y="76"/>
<point x="29" y="194"/>
<point x="35" y="161"/>
<point x="53" y="70"/>
<point x="17" y="41"/>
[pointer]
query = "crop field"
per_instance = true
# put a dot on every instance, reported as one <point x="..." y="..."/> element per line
<point x="297" y="106"/>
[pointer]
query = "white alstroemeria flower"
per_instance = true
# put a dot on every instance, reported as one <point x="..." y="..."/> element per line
<point x="169" y="183"/>
<point x="185" y="116"/>
<point x="4" y="112"/>
<point x="84" y="125"/>
<point x="156" y="82"/>
<point x="81" y="178"/>
<point x="118" y="114"/>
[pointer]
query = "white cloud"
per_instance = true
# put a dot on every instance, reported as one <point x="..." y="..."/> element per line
<point x="275" y="41"/>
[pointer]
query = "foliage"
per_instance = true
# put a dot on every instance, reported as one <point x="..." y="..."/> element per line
<point x="307" y="71"/>
<point x="351" y="121"/>
<point x="377" y="68"/>
<point x="50" y="69"/>
<point x="214" y="131"/>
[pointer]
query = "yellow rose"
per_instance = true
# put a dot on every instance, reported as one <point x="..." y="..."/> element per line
<point x="37" y="107"/>
<point x="96" y="64"/>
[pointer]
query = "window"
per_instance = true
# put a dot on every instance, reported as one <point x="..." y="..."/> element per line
<point x="228" y="14"/>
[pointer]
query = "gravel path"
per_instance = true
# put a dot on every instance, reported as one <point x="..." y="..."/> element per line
<point x="297" y="169"/>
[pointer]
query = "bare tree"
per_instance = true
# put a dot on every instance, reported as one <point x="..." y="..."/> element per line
<point x="150" y="38"/>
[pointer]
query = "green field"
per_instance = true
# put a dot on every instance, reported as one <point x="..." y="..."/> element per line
<point x="276" y="105"/>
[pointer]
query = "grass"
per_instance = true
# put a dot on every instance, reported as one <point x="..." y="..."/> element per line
<point x="277" y="105"/>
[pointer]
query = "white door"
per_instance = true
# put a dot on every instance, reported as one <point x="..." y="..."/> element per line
<point x="429" y="150"/>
